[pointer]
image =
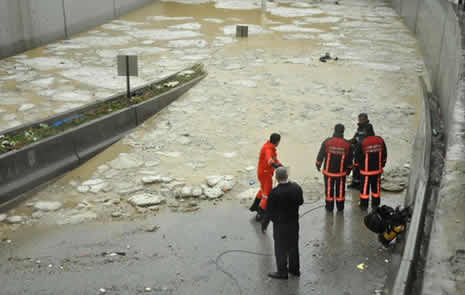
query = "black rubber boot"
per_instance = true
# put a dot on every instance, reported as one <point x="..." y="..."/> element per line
<point x="340" y="206"/>
<point x="363" y="204"/>
<point x="329" y="206"/>
<point x="277" y="275"/>
<point x="255" y="205"/>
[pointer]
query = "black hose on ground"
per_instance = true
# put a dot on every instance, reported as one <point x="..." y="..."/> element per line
<point x="228" y="274"/>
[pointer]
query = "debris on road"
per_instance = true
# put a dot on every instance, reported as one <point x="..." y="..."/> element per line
<point x="327" y="57"/>
<point x="152" y="228"/>
<point x="14" y="219"/>
<point x="111" y="254"/>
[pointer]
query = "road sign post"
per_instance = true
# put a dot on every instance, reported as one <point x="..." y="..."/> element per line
<point x="127" y="66"/>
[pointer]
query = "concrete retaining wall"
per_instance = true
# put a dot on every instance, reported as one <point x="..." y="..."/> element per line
<point x="415" y="198"/>
<point x="439" y="28"/>
<point x="435" y="23"/>
<point x="26" y="24"/>
<point x="24" y="169"/>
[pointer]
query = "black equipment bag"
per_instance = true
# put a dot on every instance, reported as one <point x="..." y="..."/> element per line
<point x="378" y="220"/>
<point x="374" y="222"/>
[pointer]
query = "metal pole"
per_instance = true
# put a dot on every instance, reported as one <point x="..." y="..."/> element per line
<point x="127" y="77"/>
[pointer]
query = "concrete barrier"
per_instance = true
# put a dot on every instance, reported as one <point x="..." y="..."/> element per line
<point x="397" y="5"/>
<point x="148" y="108"/>
<point x="83" y="15"/>
<point x="94" y="136"/>
<point x="61" y="116"/>
<point x="11" y="28"/>
<point x="415" y="197"/>
<point x="123" y="7"/>
<point x="451" y="58"/>
<point x="42" y="18"/>
<point x="431" y="19"/>
<point x="440" y="29"/>
<point x="409" y="11"/>
<point x="26" y="168"/>
<point x="26" y="24"/>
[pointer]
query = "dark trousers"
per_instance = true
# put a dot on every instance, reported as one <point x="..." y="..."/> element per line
<point x="370" y="183"/>
<point x="356" y="175"/>
<point x="286" y="247"/>
<point x="335" y="188"/>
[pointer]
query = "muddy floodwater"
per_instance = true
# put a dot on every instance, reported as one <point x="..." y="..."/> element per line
<point x="272" y="81"/>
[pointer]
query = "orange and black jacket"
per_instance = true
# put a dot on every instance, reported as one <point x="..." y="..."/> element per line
<point x="371" y="155"/>
<point x="336" y="156"/>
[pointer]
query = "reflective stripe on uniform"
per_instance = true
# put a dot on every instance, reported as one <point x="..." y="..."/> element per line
<point x="328" y="190"/>
<point x="369" y="173"/>
<point x="365" y="187"/>
<point x="334" y="174"/>
<point x="341" y="191"/>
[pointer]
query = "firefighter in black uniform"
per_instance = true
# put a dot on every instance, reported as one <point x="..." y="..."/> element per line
<point x="283" y="210"/>
<point x="359" y="136"/>
<point x="336" y="153"/>
<point x="371" y="156"/>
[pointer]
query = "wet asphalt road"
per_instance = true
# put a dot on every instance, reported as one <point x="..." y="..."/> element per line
<point x="196" y="254"/>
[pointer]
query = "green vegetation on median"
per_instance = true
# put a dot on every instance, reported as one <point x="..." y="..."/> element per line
<point x="21" y="138"/>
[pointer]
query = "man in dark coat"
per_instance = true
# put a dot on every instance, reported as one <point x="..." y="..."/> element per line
<point x="283" y="210"/>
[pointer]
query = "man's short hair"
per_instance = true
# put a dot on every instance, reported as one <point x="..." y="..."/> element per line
<point x="281" y="173"/>
<point x="363" y="115"/>
<point x="275" y="138"/>
<point x="339" y="128"/>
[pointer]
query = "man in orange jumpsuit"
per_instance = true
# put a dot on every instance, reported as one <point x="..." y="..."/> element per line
<point x="267" y="163"/>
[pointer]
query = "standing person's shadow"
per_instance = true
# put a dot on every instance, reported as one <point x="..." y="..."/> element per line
<point x="340" y="234"/>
